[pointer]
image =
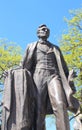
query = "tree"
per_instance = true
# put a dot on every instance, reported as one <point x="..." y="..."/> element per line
<point x="71" y="45"/>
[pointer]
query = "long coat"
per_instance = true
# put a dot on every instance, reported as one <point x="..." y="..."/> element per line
<point x="18" y="100"/>
<point x="27" y="62"/>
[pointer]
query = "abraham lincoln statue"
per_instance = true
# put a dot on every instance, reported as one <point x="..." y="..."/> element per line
<point x="46" y="87"/>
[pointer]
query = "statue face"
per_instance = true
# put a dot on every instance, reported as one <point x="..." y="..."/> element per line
<point x="43" y="32"/>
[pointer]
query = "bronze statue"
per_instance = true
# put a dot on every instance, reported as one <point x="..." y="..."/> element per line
<point x="52" y="86"/>
<point x="51" y="78"/>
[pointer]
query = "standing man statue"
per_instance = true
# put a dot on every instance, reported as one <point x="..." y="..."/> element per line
<point x="42" y="81"/>
<point x="51" y="80"/>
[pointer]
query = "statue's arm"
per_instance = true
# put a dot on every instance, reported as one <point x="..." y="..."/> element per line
<point x="26" y="60"/>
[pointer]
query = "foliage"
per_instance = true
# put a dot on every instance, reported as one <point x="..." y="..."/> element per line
<point x="71" y="45"/>
<point x="10" y="55"/>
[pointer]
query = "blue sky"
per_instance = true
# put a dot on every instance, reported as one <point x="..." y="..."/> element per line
<point x="19" y="20"/>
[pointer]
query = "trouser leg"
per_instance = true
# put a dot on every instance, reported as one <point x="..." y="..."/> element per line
<point x="40" y="110"/>
<point x="40" y="114"/>
<point x="39" y="78"/>
<point x="40" y="121"/>
<point x="58" y="103"/>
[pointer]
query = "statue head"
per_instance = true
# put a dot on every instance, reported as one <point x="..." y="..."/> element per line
<point x="43" y="32"/>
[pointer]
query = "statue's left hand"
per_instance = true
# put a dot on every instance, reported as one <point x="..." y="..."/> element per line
<point x="72" y="75"/>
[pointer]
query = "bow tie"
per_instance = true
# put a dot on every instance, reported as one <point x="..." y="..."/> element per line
<point x="43" y="42"/>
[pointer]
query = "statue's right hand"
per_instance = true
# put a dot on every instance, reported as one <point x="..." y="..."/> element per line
<point x="72" y="75"/>
<point x="5" y="74"/>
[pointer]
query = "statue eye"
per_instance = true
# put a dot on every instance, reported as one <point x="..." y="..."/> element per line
<point x="44" y="29"/>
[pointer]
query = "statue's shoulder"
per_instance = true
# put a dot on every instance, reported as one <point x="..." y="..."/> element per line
<point x="57" y="47"/>
<point x="32" y="45"/>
